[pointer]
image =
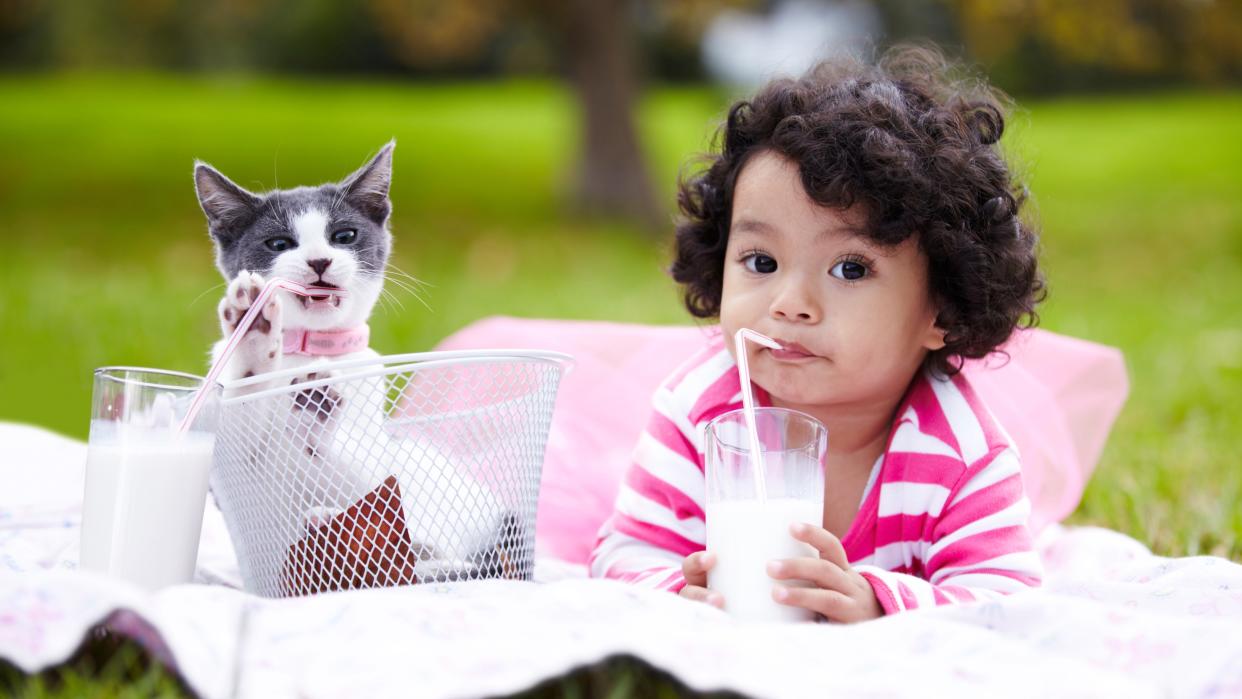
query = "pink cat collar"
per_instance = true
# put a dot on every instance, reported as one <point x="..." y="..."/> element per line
<point x="326" y="343"/>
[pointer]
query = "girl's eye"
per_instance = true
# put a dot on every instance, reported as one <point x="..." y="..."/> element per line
<point x="760" y="263"/>
<point x="279" y="244"/>
<point x="345" y="236"/>
<point x="849" y="270"/>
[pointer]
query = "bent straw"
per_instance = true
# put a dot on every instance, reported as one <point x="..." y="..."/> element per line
<point x="243" y="325"/>
<point x="748" y="402"/>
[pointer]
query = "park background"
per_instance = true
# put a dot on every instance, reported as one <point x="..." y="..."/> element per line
<point x="539" y="144"/>
<point x="538" y="150"/>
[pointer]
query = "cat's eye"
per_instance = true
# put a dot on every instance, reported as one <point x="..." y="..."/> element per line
<point x="280" y="244"/>
<point x="849" y="270"/>
<point x="345" y="236"/>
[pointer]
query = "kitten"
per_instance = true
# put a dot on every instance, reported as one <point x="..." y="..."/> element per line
<point x="333" y="235"/>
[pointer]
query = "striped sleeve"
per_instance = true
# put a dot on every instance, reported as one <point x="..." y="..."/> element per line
<point x="980" y="545"/>
<point x="658" y="519"/>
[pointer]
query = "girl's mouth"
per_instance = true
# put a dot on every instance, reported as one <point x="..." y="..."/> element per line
<point x="792" y="352"/>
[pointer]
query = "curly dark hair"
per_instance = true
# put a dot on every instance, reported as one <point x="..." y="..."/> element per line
<point x="918" y="150"/>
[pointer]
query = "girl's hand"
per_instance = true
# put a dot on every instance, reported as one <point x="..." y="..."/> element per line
<point x="840" y="593"/>
<point x="695" y="568"/>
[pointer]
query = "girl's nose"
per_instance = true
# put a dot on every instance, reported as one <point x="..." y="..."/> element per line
<point x="794" y="302"/>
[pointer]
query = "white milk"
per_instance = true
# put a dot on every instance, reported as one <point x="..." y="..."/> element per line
<point x="143" y="509"/>
<point x="745" y="535"/>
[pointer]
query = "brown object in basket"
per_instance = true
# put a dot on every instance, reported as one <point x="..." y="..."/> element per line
<point x="367" y="545"/>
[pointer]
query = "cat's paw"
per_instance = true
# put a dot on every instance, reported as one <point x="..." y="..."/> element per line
<point x="320" y="402"/>
<point x="241" y="295"/>
<point x="260" y="348"/>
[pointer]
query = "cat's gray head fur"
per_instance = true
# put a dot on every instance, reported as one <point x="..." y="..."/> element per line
<point x="303" y="234"/>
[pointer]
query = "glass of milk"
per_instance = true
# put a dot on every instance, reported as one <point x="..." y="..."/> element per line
<point x="146" y="479"/>
<point x="746" y="531"/>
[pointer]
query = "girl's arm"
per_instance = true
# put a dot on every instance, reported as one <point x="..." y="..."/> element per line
<point x="658" y="519"/>
<point x="981" y="547"/>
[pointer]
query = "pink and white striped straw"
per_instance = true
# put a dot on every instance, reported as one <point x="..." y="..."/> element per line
<point x="256" y="307"/>
<point x="748" y="402"/>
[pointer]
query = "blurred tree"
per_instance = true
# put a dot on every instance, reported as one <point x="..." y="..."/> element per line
<point x="594" y="40"/>
<point x="1046" y="45"/>
<point x="23" y="32"/>
<point x="597" y="38"/>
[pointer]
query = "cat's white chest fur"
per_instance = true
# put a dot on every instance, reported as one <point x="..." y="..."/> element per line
<point x="329" y="425"/>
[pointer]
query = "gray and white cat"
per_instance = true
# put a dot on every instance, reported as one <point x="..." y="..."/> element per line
<point x="330" y="235"/>
<point x="332" y="434"/>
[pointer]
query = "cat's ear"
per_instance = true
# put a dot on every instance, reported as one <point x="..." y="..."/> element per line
<point x="367" y="189"/>
<point x="225" y="203"/>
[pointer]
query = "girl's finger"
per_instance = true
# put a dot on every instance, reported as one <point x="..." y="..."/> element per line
<point x="816" y="571"/>
<point x="831" y="604"/>
<point x="702" y="594"/>
<point x="695" y="566"/>
<point x="824" y="541"/>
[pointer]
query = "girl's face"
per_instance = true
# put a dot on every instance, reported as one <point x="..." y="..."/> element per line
<point x="856" y="319"/>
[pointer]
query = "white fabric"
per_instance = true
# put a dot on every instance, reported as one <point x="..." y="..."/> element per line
<point x="1113" y="620"/>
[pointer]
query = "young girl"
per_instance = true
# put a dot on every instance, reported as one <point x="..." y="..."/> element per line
<point x="864" y="218"/>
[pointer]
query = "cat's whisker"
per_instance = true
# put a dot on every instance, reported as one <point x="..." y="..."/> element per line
<point x="424" y="304"/>
<point x="394" y="267"/>
<point x="414" y="280"/>
<point x="388" y="276"/>
<point x="406" y="279"/>
<point x="386" y="295"/>
<point x="414" y="284"/>
<point x="417" y="297"/>
<point x="394" y="305"/>
<point x="403" y="285"/>
<point x="411" y="290"/>
<point x="208" y="290"/>
<point x="281" y="211"/>
<point x="339" y="198"/>
<point x="422" y="301"/>
<point x="336" y="200"/>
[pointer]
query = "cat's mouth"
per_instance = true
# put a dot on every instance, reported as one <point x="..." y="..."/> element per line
<point x="321" y="302"/>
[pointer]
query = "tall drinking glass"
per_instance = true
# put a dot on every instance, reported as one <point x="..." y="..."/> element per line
<point x="745" y="530"/>
<point x="146" y="479"/>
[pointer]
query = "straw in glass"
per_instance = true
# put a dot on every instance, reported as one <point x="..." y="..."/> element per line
<point x="748" y="402"/>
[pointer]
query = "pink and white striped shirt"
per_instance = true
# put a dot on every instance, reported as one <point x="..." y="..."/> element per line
<point x="943" y="517"/>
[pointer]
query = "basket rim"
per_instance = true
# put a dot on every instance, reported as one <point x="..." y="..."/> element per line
<point x="400" y="362"/>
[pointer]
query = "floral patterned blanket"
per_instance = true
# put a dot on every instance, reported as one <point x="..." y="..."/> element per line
<point x="1112" y="620"/>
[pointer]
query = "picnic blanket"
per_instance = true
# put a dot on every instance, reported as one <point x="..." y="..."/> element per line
<point x="1112" y="620"/>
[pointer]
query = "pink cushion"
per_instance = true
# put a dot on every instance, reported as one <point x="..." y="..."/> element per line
<point x="1057" y="397"/>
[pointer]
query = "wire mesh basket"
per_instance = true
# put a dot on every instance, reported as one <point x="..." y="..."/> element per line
<point x="389" y="471"/>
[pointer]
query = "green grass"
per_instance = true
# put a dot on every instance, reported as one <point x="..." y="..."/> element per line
<point x="107" y="260"/>
<point x="1141" y="206"/>
<point x="108" y="667"/>
<point x="105" y="667"/>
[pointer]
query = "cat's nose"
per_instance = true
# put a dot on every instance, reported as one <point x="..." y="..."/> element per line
<point x="319" y="265"/>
